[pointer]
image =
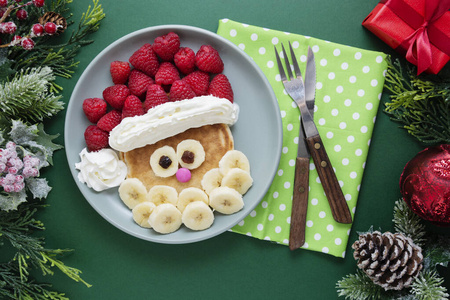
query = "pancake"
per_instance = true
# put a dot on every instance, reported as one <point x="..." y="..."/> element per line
<point x="216" y="140"/>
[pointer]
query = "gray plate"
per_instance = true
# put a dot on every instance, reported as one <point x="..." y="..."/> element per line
<point x="258" y="132"/>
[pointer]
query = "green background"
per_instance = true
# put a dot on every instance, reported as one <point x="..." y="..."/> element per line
<point x="229" y="266"/>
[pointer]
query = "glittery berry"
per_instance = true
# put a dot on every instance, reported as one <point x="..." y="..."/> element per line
<point x="3" y="3"/>
<point x="50" y="28"/>
<point x="8" y="27"/>
<point x="37" y="29"/>
<point x="21" y="14"/>
<point x="38" y="3"/>
<point x="27" y="44"/>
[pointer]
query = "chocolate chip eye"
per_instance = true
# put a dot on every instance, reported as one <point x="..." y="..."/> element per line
<point x="188" y="157"/>
<point x="165" y="162"/>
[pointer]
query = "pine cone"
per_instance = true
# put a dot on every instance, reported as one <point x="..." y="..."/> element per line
<point x="390" y="260"/>
<point x="59" y="20"/>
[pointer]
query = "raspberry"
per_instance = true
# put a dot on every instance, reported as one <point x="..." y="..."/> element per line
<point x="94" y="109"/>
<point x="138" y="82"/>
<point x="208" y="59"/>
<point x="95" y="138"/>
<point x="115" y="95"/>
<point x="184" y="60"/>
<point x="198" y="81"/>
<point x="110" y="120"/>
<point x="181" y="90"/>
<point x="155" y="96"/>
<point x="132" y="107"/>
<point x="220" y="87"/>
<point x="50" y="28"/>
<point x="166" y="46"/>
<point x="144" y="59"/>
<point x="120" y="70"/>
<point x="167" y="74"/>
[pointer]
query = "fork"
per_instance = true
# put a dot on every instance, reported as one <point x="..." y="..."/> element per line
<point x="295" y="88"/>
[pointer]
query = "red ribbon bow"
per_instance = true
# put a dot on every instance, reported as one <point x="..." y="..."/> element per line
<point x="418" y="44"/>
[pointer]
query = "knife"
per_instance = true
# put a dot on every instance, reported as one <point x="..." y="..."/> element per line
<point x="301" y="179"/>
<point x="330" y="184"/>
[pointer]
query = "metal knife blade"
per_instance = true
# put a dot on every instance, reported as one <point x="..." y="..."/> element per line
<point x="301" y="180"/>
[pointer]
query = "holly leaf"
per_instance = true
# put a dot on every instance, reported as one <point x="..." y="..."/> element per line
<point x="38" y="187"/>
<point x="10" y="201"/>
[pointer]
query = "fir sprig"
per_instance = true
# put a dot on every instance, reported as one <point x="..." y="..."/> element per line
<point x="422" y="106"/>
<point x="427" y="286"/>
<point x="27" y="96"/>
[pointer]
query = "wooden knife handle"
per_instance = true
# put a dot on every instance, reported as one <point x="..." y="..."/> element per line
<point x="336" y="199"/>
<point x="299" y="203"/>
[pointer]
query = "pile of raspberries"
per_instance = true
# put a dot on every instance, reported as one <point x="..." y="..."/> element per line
<point x="155" y="74"/>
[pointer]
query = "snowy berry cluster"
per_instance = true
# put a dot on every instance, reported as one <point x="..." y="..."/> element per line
<point x="10" y="27"/>
<point x="14" y="170"/>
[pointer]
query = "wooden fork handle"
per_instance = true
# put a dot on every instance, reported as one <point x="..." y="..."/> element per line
<point x="299" y="203"/>
<point x="336" y="199"/>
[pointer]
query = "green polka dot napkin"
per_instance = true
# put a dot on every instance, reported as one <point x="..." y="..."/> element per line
<point x="348" y="90"/>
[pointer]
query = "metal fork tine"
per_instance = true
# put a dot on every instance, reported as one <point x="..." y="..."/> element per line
<point x="288" y="65"/>
<point x="294" y="62"/>
<point x="280" y="66"/>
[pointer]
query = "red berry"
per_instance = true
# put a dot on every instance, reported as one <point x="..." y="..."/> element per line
<point x="138" y="82"/>
<point x="184" y="60"/>
<point x="38" y="3"/>
<point x="166" y="46"/>
<point x="8" y="27"/>
<point x="199" y="82"/>
<point x="132" y="107"/>
<point x="120" y="70"/>
<point x="144" y="59"/>
<point x="167" y="74"/>
<point x="94" y="109"/>
<point x="37" y="29"/>
<point x="110" y="120"/>
<point x="50" y="28"/>
<point x="208" y="59"/>
<point x="115" y="95"/>
<point x="155" y="96"/>
<point x="181" y="90"/>
<point x="220" y="87"/>
<point x="3" y="3"/>
<point x="21" y="14"/>
<point x="96" y="139"/>
<point x="27" y="44"/>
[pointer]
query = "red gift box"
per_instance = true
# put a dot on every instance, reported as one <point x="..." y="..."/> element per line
<point x="418" y="29"/>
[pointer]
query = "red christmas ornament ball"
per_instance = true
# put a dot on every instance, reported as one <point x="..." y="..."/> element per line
<point x="425" y="184"/>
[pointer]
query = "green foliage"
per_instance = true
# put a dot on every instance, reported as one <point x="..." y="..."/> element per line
<point x="27" y="96"/>
<point x="426" y="286"/>
<point x="421" y="106"/>
<point x="408" y="223"/>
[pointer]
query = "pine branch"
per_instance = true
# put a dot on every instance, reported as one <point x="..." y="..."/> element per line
<point x="359" y="286"/>
<point x="408" y="223"/>
<point x="422" y="106"/>
<point x="428" y="286"/>
<point x="27" y="96"/>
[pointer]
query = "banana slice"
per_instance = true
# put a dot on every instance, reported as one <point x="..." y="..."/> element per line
<point x="211" y="180"/>
<point x="132" y="192"/>
<point x="165" y="218"/>
<point x="197" y="216"/>
<point x="234" y="159"/>
<point x="189" y="195"/>
<point x="226" y="200"/>
<point x="190" y="154"/>
<point x="238" y="179"/>
<point x="160" y="194"/>
<point x="142" y="212"/>
<point x="164" y="161"/>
